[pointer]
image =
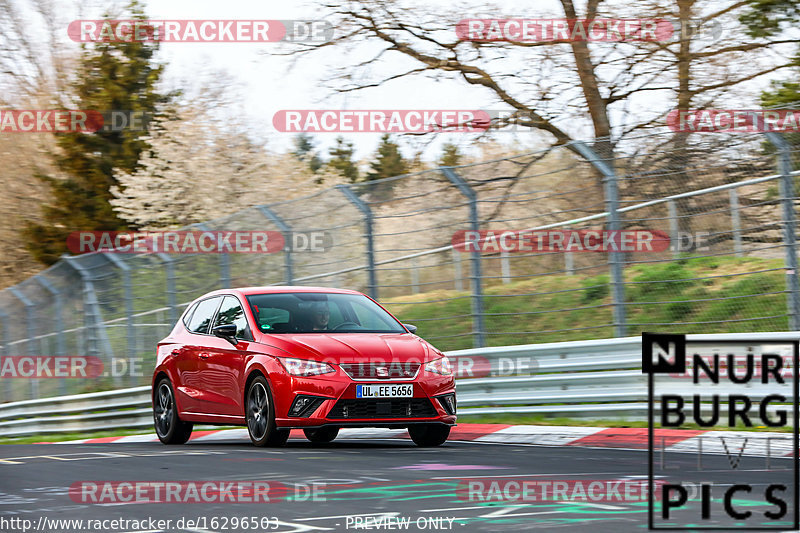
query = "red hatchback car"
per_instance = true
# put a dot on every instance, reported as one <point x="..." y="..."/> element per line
<point x="318" y="359"/>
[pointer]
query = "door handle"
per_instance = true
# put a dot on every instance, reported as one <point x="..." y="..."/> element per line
<point x="203" y="356"/>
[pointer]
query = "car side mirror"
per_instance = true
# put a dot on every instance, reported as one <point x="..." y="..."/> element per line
<point x="227" y="332"/>
<point x="411" y="327"/>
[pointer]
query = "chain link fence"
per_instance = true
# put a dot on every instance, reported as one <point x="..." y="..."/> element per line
<point x="726" y="201"/>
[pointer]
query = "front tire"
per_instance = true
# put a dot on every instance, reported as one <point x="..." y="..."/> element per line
<point x="169" y="427"/>
<point x="429" y="435"/>
<point x="321" y="435"/>
<point x="260" y="416"/>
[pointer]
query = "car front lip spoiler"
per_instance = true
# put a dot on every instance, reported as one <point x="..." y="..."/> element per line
<point x="385" y="425"/>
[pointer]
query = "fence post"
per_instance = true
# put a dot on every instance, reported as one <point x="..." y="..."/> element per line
<point x="287" y="241"/>
<point x="414" y="275"/>
<point x="96" y="340"/>
<point x="224" y="261"/>
<point x="30" y="319"/>
<point x="569" y="263"/>
<point x="478" y="330"/>
<point x="505" y="267"/>
<point x="5" y="350"/>
<point x="614" y="257"/>
<point x="736" y="222"/>
<point x="130" y="322"/>
<point x="169" y="266"/>
<point x="61" y="349"/>
<point x="789" y="224"/>
<point x="372" y="280"/>
<point x="674" y="231"/>
<point x="459" y="281"/>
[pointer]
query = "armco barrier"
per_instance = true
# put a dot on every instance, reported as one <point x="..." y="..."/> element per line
<point x="580" y="379"/>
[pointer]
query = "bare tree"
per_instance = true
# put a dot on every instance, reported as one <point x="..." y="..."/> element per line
<point x="562" y="87"/>
<point x="615" y="92"/>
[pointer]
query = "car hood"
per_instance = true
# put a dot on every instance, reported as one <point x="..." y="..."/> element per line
<point x="352" y="347"/>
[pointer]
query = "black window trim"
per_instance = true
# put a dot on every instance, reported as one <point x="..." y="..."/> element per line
<point x="187" y="315"/>
<point x="249" y="330"/>
<point x="213" y="317"/>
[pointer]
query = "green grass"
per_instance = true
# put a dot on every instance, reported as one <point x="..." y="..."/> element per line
<point x="660" y="297"/>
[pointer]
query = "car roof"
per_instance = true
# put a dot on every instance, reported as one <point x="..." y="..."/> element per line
<point x="248" y="291"/>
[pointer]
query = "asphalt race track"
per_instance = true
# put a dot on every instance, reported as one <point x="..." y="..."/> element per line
<point x="364" y="482"/>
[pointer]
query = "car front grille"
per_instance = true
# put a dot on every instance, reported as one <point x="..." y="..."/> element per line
<point x="394" y="370"/>
<point x="383" y="408"/>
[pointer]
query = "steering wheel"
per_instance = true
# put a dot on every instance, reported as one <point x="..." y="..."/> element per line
<point x="337" y="328"/>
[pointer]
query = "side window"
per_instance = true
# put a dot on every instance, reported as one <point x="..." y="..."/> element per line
<point x="231" y="312"/>
<point x="188" y="315"/>
<point x="203" y="315"/>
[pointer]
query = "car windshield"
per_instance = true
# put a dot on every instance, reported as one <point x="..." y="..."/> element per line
<point x="315" y="312"/>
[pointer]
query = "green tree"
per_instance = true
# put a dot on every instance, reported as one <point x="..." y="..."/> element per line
<point x="304" y="150"/>
<point x="388" y="161"/>
<point x="450" y="157"/>
<point x="342" y="159"/>
<point x="110" y="76"/>
<point x="783" y="95"/>
<point x="765" y="18"/>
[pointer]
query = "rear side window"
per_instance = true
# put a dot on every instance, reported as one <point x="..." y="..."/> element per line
<point x="203" y="315"/>
<point x="231" y="312"/>
<point x="188" y="315"/>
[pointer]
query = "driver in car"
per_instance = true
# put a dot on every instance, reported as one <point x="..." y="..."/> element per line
<point x="320" y="315"/>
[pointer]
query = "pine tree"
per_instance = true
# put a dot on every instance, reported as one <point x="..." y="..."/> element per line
<point x="783" y="95"/>
<point x="304" y="150"/>
<point x="342" y="159"/>
<point x="450" y="157"/>
<point x="111" y="76"/>
<point x="389" y="161"/>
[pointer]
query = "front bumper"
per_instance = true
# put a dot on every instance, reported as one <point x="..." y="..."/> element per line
<point x="341" y="408"/>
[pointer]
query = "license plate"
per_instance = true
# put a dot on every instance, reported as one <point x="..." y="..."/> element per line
<point x="384" y="391"/>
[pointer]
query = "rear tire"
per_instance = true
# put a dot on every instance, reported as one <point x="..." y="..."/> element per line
<point x="260" y="416"/>
<point x="169" y="427"/>
<point x="429" y="435"/>
<point x="321" y="435"/>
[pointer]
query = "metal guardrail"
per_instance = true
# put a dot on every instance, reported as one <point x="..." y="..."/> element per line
<point x="579" y="379"/>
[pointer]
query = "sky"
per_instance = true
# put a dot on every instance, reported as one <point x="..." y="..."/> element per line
<point x="271" y="82"/>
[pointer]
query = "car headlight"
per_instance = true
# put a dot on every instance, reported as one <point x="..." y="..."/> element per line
<point x="302" y="367"/>
<point x="439" y="366"/>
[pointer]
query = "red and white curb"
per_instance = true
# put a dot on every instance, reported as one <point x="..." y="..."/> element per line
<point x="756" y="444"/>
